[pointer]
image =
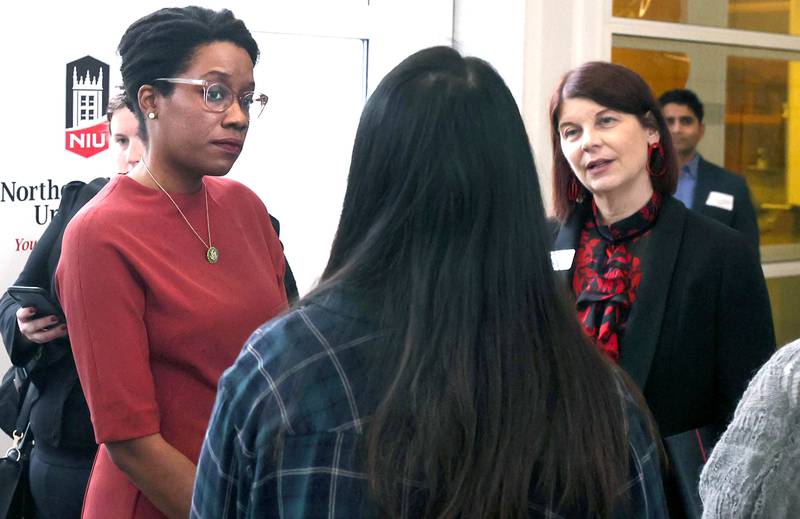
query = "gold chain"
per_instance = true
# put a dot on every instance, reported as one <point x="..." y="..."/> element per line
<point x="211" y="251"/>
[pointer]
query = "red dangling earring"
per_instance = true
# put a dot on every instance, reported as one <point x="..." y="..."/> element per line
<point x="573" y="191"/>
<point x="656" y="159"/>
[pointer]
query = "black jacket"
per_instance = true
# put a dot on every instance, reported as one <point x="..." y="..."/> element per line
<point x="701" y="325"/>
<point x="742" y="217"/>
<point x="59" y="416"/>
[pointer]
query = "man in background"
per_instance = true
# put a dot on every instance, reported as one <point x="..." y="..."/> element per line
<point x="702" y="186"/>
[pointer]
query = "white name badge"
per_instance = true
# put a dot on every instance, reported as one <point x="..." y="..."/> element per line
<point x="562" y="259"/>
<point x="721" y="200"/>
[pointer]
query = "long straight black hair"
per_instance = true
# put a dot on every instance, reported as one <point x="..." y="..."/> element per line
<point x="492" y="393"/>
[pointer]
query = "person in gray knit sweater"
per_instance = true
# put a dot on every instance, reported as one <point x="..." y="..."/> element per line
<point x="754" y="470"/>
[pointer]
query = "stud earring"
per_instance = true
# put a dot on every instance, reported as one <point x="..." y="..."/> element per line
<point x="151" y="115"/>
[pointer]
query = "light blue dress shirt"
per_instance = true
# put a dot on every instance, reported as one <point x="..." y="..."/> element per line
<point x="687" y="182"/>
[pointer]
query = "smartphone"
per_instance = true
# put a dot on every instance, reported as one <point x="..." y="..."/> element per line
<point x="38" y="298"/>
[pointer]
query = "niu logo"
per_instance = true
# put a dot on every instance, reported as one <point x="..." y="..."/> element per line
<point x="86" y="130"/>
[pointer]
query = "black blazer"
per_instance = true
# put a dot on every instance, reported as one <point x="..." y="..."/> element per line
<point x="701" y="325"/>
<point x="60" y="416"/>
<point x="711" y="177"/>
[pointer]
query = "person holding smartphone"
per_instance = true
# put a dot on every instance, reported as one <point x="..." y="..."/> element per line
<point x="64" y="448"/>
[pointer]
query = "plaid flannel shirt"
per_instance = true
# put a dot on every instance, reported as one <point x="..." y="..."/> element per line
<point x="286" y="435"/>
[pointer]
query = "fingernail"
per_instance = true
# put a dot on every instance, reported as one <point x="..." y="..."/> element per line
<point x="53" y="319"/>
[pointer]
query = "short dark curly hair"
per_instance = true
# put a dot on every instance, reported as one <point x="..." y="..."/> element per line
<point x="162" y="44"/>
<point x="683" y="96"/>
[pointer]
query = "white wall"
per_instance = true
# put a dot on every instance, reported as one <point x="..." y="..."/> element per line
<point x="532" y="43"/>
<point x="495" y="32"/>
<point x="318" y="71"/>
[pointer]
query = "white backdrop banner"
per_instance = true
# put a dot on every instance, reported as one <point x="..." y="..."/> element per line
<point x="57" y="81"/>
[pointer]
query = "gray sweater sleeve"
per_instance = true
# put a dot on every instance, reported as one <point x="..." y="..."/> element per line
<point x="755" y="468"/>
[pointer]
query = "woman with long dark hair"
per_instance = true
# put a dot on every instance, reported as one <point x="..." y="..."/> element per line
<point x="436" y="371"/>
<point x="678" y="300"/>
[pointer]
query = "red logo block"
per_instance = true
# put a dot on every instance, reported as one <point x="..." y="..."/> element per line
<point x="87" y="141"/>
<point x="86" y="106"/>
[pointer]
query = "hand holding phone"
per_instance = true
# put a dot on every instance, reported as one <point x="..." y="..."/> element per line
<point x="38" y="298"/>
<point x="40" y="320"/>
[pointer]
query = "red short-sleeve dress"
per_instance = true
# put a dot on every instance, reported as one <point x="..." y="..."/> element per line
<point x="152" y="324"/>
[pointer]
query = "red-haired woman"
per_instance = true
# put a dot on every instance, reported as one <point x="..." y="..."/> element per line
<point x="678" y="300"/>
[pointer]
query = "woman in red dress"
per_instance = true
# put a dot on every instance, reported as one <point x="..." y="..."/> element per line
<point x="166" y="272"/>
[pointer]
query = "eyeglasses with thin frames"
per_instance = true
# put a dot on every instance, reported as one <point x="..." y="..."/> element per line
<point x="218" y="97"/>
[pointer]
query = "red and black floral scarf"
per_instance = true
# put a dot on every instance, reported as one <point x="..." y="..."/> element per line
<point x="608" y="272"/>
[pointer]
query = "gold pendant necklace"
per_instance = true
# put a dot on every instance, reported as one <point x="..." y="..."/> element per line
<point x="212" y="253"/>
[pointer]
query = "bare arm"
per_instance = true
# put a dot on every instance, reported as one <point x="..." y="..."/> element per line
<point x="159" y="470"/>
